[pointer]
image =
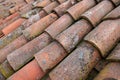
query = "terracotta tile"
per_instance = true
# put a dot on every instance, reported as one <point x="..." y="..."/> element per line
<point x="115" y="54"/>
<point x="38" y="27"/>
<point x="24" y="54"/>
<point x="45" y="57"/>
<point x="77" y="65"/>
<point x="33" y="19"/>
<point x="92" y="74"/>
<point x="104" y="37"/>
<point x="50" y="7"/>
<point x="110" y="72"/>
<point x="1" y="34"/>
<point x="83" y="5"/>
<point x="59" y="25"/>
<point x="31" y="13"/>
<point x="95" y="14"/>
<point x="31" y="71"/>
<point x="29" y="1"/>
<point x="6" y="69"/>
<point x="74" y="34"/>
<point x="17" y="43"/>
<point x="113" y="14"/>
<point x="4" y="11"/>
<point x="43" y="3"/>
<point x="101" y="64"/>
<point x="10" y="19"/>
<point x="25" y="8"/>
<point x="61" y="1"/>
<point x="16" y="8"/>
<point x="116" y="2"/>
<point x="10" y="37"/>
<point x="2" y="77"/>
<point x="13" y="26"/>
<point x="61" y="9"/>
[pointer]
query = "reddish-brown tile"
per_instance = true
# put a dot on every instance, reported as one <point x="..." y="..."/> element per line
<point x="17" y="43"/>
<point x="10" y="37"/>
<point x="110" y="72"/>
<point x="29" y="1"/>
<point x="13" y="26"/>
<point x="101" y="64"/>
<point x="104" y="37"/>
<point x="25" y="8"/>
<point x="6" y="69"/>
<point x="83" y="5"/>
<point x="16" y="8"/>
<point x="113" y="14"/>
<point x="50" y="56"/>
<point x="50" y="7"/>
<point x="116" y="2"/>
<point x="43" y="3"/>
<point x="33" y="19"/>
<point x="115" y="54"/>
<point x="74" y="34"/>
<point x="77" y="65"/>
<point x="61" y="9"/>
<point x="10" y="19"/>
<point x="59" y="25"/>
<point x="21" y="56"/>
<point x="31" y="71"/>
<point x="61" y="1"/>
<point x="95" y="14"/>
<point x="38" y="27"/>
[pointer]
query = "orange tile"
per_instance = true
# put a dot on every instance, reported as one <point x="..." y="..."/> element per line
<point x="50" y="56"/>
<point x="31" y="71"/>
<point x="24" y="54"/>
<point x="13" y="26"/>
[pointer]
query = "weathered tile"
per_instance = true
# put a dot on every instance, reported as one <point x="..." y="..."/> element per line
<point x="101" y="64"/>
<point x="13" y="26"/>
<point x="33" y="19"/>
<point x="50" y="56"/>
<point x="31" y="71"/>
<point x="113" y="14"/>
<point x="61" y="9"/>
<point x="115" y="54"/>
<point x="38" y="27"/>
<point x="110" y="72"/>
<point x="17" y="43"/>
<point x="116" y="2"/>
<point x="6" y="69"/>
<point x="95" y="14"/>
<point x="24" y="54"/>
<point x="10" y="37"/>
<point x="59" y="25"/>
<point x="77" y="65"/>
<point x="74" y="34"/>
<point x="42" y="3"/>
<point x="83" y="5"/>
<point x="105" y="37"/>
<point x="50" y="7"/>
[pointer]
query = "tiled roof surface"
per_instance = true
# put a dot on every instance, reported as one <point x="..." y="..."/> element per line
<point x="59" y="39"/>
